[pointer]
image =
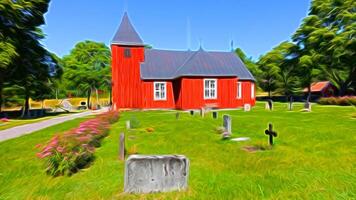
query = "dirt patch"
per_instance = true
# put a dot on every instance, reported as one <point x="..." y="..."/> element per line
<point x="252" y="149"/>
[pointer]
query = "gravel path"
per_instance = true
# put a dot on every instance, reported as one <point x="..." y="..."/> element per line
<point x="29" y="128"/>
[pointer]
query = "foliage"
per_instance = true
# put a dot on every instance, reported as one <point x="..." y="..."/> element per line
<point x="327" y="44"/>
<point x="87" y="68"/>
<point x="66" y="153"/>
<point x="250" y="64"/>
<point x="341" y="101"/>
<point x="322" y="48"/>
<point x="24" y="62"/>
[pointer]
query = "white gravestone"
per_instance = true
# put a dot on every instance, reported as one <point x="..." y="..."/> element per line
<point x="156" y="173"/>
<point x="247" y="107"/>
<point x="227" y="123"/>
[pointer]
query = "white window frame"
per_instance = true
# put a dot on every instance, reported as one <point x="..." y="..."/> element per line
<point x="162" y="93"/>
<point x="239" y="90"/>
<point x="252" y="90"/>
<point x="211" y="95"/>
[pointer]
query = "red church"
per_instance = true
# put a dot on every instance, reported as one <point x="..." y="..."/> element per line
<point x="146" y="78"/>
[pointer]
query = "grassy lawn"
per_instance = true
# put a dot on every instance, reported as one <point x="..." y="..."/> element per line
<point x="18" y="122"/>
<point x="314" y="157"/>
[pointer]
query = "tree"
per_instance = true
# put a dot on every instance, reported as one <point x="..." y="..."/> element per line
<point x="87" y="66"/>
<point x="30" y="65"/>
<point x="250" y="64"/>
<point x="327" y="43"/>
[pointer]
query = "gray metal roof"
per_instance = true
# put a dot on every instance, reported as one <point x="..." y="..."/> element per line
<point x="126" y="34"/>
<point x="168" y="64"/>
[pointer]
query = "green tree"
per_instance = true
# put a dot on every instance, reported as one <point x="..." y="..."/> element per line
<point x="87" y="67"/>
<point x="250" y="64"/>
<point x="32" y="64"/>
<point x="327" y="43"/>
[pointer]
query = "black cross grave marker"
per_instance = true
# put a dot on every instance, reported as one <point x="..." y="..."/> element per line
<point x="271" y="133"/>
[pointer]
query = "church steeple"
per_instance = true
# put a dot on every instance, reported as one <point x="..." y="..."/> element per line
<point x="126" y="34"/>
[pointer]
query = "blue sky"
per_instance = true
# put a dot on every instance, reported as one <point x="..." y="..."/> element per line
<point x="256" y="26"/>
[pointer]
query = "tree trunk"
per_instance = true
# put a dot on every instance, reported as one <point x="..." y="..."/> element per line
<point x="1" y="97"/>
<point x="269" y="94"/>
<point x="26" y="109"/>
<point x="309" y="93"/>
<point x="88" y="98"/>
<point x="97" y="98"/>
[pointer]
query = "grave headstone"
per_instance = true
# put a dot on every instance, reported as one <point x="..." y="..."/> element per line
<point x="227" y="123"/>
<point x="307" y="106"/>
<point x="122" y="147"/>
<point x="247" y="107"/>
<point x="177" y="115"/>
<point x="215" y="115"/>
<point x="192" y="112"/>
<point x="128" y="125"/>
<point x="156" y="173"/>
<point x="202" y="112"/>
<point x="271" y="133"/>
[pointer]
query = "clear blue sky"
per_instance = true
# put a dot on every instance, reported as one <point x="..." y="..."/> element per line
<point x="256" y="26"/>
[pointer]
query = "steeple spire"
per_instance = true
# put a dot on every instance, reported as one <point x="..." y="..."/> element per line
<point x="126" y="34"/>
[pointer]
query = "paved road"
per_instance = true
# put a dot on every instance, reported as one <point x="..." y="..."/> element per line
<point x="29" y="128"/>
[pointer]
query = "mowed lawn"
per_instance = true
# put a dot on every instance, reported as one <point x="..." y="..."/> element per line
<point x="314" y="157"/>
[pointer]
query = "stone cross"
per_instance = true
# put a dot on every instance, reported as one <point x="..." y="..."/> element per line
<point x="227" y="123"/>
<point x="271" y="133"/>
<point x="128" y="124"/>
<point x="122" y="147"/>
<point x="177" y="115"/>
<point x="156" y="173"/>
<point x="215" y="115"/>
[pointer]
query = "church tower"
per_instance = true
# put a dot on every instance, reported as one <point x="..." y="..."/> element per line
<point x="127" y="51"/>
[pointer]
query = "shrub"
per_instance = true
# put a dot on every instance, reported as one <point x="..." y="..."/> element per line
<point x="341" y="101"/>
<point x="70" y="151"/>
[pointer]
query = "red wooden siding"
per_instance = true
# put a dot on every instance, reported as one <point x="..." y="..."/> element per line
<point x="127" y="85"/>
<point x="148" y="96"/>
<point x="192" y="94"/>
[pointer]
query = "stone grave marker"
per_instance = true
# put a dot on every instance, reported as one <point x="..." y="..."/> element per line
<point x="177" y="115"/>
<point x="122" y="147"/>
<point x="202" y="112"/>
<point x="215" y="115"/>
<point x="128" y="125"/>
<point x="247" y="107"/>
<point x="271" y="133"/>
<point x="307" y="106"/>
<point x="227" y="123"/>
<point x="156" y="173"/>
<point x="192" y="112"/>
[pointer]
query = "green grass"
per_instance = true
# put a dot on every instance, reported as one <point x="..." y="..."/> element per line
<point x="314" y="157"/>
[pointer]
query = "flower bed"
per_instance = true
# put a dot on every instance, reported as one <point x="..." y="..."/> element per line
<point x="72" y="150"/>
<point x="341" y="101"/>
